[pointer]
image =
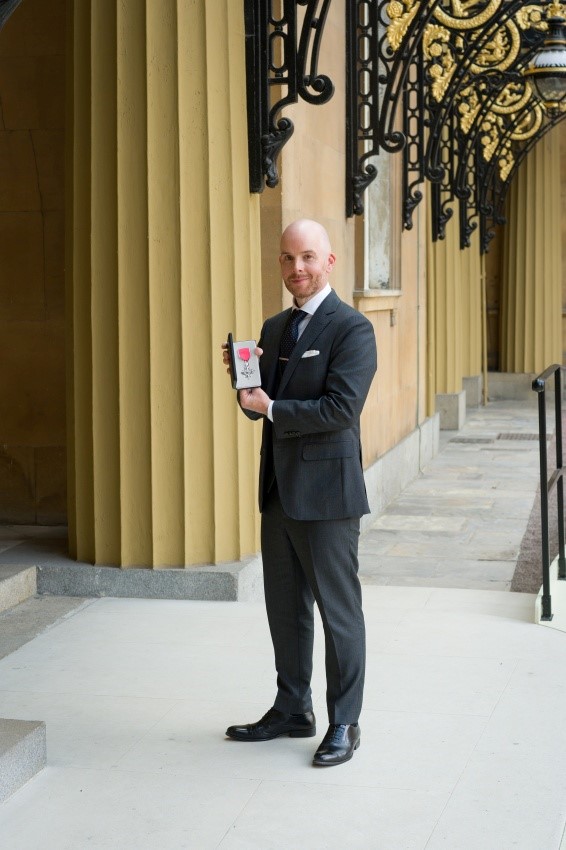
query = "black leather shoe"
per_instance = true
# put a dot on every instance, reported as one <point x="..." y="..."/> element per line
<point x="338" y="745"/>
<point x="273" y="724"/>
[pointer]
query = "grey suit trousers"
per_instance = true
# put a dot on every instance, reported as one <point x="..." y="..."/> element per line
<point x="306" y="561"/>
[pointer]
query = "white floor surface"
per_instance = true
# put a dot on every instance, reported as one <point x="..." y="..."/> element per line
<point x="463" y="731"/>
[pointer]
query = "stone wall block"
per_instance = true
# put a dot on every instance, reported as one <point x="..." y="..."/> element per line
<point x="50" y="485"/>
<point x="19" y="189"/>
<point x="36" y="28"/>
<point x="30" y="87"/>
<point x="21" y="270"/>
<point x="17" y="484"/>
<point x="48" y="148"/>
<point x="32" y="383"/>
<point x="54" y="239"/>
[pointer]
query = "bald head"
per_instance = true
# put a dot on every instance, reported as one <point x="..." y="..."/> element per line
<point x="306" y="228"/>
<point x="306" y="259"/>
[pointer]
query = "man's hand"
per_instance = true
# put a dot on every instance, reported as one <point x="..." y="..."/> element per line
<point x="226" y="356"/>
<point x="255" y="399"/>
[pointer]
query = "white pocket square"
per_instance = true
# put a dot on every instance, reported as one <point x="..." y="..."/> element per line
<point x="312" y="353"/>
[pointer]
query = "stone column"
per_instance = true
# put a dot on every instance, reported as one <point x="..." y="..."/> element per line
<point x="473" y="315"/>
<point x="444" y="295"/>
<point x="163" y="259"/>
<point x="531" y="297"/>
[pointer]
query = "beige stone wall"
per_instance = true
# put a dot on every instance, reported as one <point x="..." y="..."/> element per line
<point x="562" y="130"/>
<point x="397" y="401"/>
<point x="32" y="374"/>
<point x="312" y="170"/>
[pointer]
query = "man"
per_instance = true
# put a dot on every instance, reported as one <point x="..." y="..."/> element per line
<point x="316" y="369"/>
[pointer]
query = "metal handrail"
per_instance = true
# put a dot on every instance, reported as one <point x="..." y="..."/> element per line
<point x="548" y="484"/>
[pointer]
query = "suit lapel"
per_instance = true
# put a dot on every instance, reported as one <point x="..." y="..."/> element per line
<point x="318" y="322"/>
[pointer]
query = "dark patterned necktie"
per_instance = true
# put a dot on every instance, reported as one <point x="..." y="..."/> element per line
<point x="290" y="335"/>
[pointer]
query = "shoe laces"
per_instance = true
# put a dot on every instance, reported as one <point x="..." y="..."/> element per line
<point x="334" y="733"/>
<point x="271" y="714"/>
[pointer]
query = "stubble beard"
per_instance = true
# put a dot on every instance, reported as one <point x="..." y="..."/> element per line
<point x="304" y="293"/>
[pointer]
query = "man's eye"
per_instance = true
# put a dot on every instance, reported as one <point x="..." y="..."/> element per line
<point x="309" y="257"/>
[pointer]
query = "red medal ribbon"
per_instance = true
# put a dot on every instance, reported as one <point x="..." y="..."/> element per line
<point x="244" y="354"/>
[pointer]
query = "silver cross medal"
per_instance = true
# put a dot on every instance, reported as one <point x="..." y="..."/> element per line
<point x="244" y="355"/>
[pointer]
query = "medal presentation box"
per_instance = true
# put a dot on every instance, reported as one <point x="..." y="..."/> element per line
<point x="244" y="364"/>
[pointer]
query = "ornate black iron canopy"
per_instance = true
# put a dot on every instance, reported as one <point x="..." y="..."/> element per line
<point x="438" y="82"/>
<point x="281" y="61"/>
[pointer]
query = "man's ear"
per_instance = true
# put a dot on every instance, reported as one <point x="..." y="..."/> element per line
<point x="330" y="262"/>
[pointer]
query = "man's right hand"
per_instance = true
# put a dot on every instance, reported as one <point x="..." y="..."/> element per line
<point x="226" y="356"/>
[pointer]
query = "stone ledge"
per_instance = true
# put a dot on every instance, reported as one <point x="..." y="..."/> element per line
<point x="235" y="581"/>
<point x="452" y="410"/>
<point x="510" y="386"/>
<point x="17" y="583"/>
<point x="23" y="753"/>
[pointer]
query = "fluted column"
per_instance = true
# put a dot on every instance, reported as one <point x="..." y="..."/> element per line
<point x="531" y="302"/>
<point x="444" y="296"/>
<point x="444" y="277"/>
<point x="162" y="261"/>
<point x="473" y="321"/>
<point x="471" y="274"/>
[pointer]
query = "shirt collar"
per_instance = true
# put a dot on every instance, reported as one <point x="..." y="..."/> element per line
<point x="314" y="303"/>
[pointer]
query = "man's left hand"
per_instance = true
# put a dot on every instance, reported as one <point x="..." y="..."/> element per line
<point x="255" y="399"/>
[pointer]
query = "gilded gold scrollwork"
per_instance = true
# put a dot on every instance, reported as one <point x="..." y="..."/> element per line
<point x="500" y="52"/>
<point x="512" y="99"/>
<point x="473" y="56"/>
<point x="469" y="104"/>
<point x="441" y="62"/>
<point x="490" y="137"/>
<point x="529" y="125"/>
<point x="460" y="8"/>
<point x="400" y="16"/>
<point x="510" y="102"/>
<point x="530" y="17"/>
<point x="505" y="161"/>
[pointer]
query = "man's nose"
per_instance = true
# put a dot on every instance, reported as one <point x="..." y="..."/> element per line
<point x="298" y="264"/>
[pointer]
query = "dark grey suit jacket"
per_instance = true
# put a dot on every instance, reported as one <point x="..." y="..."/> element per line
<point x="313" y="443"/>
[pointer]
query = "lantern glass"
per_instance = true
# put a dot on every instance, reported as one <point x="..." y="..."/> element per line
<point x="551" y="87"/>
<point x="547" y="70"/>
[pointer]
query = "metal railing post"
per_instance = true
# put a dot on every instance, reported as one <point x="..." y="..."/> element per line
<point x="546" y="485"/>
<point x="546" y="598"/>
<point x="560" y="481"/>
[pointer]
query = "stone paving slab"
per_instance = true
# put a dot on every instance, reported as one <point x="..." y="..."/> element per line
<point x="461" y="523"/>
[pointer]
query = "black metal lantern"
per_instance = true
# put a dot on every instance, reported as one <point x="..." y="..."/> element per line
<point x="546" y="72"/>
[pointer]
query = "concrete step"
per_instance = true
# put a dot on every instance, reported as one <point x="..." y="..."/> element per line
<point x="22" y="623"/>
<point x="17" y="583"/>
<point x="23" y="747"/>
<point x="23" y="753"/>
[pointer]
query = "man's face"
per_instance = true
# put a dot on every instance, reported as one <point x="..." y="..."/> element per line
<point x="306" y="262"/>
